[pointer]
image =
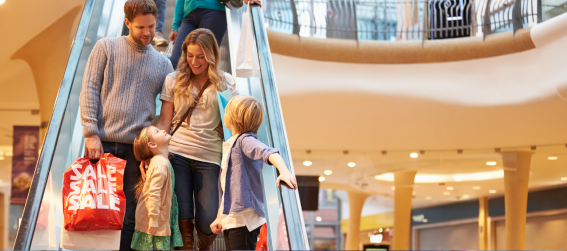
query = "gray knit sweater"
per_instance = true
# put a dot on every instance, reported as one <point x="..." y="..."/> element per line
<point x="120" y="86"/>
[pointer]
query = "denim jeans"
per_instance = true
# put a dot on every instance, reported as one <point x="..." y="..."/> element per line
<point x="240" y="238"/>
<point x="214" y="20"/>
<point x="131" y="174"/>
<point x="196" y="187"/>
<point x="160" y="15"/>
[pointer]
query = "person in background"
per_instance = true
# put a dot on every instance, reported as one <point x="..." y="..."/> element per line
<point x="192" y="14"/>
<point x="241" y="212"/>
<point x="158" y="38"/>
<point x="122" y="78"/>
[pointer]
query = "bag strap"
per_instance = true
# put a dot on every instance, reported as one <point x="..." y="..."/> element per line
<point x="190" y="110"/>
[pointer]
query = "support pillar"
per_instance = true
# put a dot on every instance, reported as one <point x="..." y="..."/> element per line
<point x="355" y="202"/>
<point x="403" y="182"/>
<point x="516" y="179"/>
<point x="483" y="223"/>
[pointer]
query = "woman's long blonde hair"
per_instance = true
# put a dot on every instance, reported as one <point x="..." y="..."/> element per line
<point x="184" y="81"/>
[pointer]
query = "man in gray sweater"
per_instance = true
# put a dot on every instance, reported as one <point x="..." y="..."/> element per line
<point x="122" y="79"/>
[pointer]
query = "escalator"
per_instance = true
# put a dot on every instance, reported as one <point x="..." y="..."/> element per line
<point x="42" y="220"/>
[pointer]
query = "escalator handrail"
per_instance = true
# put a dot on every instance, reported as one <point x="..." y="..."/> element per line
<point x="26" y="230"/>
<point x="290" y="200"/>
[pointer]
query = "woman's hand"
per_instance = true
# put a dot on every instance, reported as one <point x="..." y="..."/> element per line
<point x="288" y="178"/>
<point x="152" y="230"/>
<point x="143" y="169"/>
<point x="253" y="1"/>
<point x="216" y="226"/>
<point x="172" y="36"/>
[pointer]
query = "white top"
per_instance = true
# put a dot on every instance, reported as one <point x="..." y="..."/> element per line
<point x="198" y="141"/>
<point x="245" y="217"/>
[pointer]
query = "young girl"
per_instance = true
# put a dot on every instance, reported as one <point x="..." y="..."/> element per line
<point x="241" y="213"/>
<point x="156" y="213"/>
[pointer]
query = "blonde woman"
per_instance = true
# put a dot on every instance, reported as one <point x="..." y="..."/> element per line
<point x="196" y="146"/>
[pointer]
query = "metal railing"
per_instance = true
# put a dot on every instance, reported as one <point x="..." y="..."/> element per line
<point x="395" y="20"/>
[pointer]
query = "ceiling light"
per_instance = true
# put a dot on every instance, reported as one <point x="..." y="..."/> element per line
<point x="444" y="178"/>
<point x="328" y="172"/>
<point x="552" y="158"/>
<point x="428" y="198"/>
<point x="491" y="163"/>
<point x="307" y="163"/>
<point x="393" y="188"/>
<point x="491" y="191"/>
<point x="446" y="193"/>
<point x="321" y="179"/>
<point x="563" y="178"/>
<point x="449" y="188"/>
<point x="266" y="24"/>
<point x="318" y="218"/>
<point x="2" y="1"/>
<point x="351" y="164"/>
<point x="380" y="230"/>
<point x="1" y="157"/>
<point x="476" y="188"/>
<point x="465" y="196"/>
<point x="414" y="155"/>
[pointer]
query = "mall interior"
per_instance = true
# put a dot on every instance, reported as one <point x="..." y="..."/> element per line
<point x="409" y="124"/>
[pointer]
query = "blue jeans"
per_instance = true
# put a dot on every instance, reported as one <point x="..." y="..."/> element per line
<point x="160" y="15"/>
<point x="131" y="174"/>
<point x="214" y="20"/>
<point x="196" y="187"/>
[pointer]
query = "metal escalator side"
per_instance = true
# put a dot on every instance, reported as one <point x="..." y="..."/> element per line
<point x="286" y="228"/>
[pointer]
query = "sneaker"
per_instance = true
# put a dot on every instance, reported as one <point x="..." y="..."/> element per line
<point x="159" y="40"/>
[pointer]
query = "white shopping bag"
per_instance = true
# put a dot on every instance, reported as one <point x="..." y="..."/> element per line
<point x="246" y="56"/>
<point x="90" y="240"/>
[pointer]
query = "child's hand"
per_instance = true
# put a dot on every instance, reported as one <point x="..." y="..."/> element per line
<point x="216" y="226"/>
<point x="288" y="178"/>
<point x="152" y="230"/>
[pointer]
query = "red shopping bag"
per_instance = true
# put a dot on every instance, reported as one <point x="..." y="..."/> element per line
<point x="262" y="243"/>
<point x="93" y="198"/>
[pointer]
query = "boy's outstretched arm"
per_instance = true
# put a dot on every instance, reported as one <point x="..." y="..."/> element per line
<point x="285" y="175"/>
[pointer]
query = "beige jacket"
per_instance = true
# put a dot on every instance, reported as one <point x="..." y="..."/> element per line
<point x="154" y="203"/>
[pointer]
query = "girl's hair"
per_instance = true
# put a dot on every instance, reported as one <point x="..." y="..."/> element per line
<point x="142" y="152"/>
<point x="244" y="113"/>
<point x="206" y="40"/>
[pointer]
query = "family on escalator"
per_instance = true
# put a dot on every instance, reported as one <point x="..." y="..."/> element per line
<point x="179" y="174"/>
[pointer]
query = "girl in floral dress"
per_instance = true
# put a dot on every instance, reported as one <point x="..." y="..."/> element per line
<point x="157" y="212"/>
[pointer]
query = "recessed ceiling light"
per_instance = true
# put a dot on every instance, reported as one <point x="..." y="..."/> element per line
<point x="328" y="172"/>
<point x="414" y="155"/>
<point x="321" y="179"/>
<point x="393" y="188"/>
<point x="552" y="157"/>
<point x="449" y="188"/>
<point x="465" y="196"/>
<point x="491" y="191"/>
<point x="307" y="163"/>
<point x="428" y="198"/>
<point x="491" y="163"/>
<point x="476" y="188"/>
<point x="318" y="218"/>
<point x="446" y="193"/>
<point x="351" y="164"/>
<point x="563" y="178"/>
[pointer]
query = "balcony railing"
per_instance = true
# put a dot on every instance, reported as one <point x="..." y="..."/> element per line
<point x="395" y="20"/>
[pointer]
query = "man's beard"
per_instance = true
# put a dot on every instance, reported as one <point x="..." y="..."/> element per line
<point x="139" y="41"/>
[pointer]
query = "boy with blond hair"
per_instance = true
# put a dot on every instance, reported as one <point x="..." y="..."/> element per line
<point x="241" y="212"/>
